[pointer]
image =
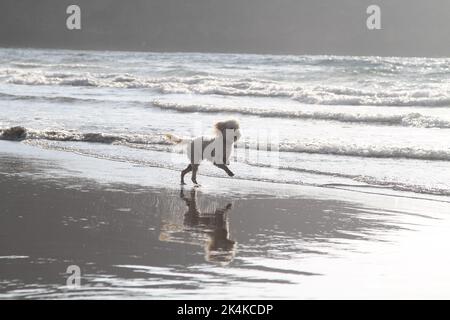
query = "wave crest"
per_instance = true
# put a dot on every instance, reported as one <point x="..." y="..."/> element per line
<point x="410" y="119"/>
<point x="153" y="140"/>
<point x="21" y="133"/>
<point x="367" y="151"/>
<point x="304" y="92"/>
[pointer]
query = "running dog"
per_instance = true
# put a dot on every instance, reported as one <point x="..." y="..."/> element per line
<point x="216" y="149"/>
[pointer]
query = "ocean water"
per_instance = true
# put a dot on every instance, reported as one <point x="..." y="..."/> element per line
<point x="347" y="122"/>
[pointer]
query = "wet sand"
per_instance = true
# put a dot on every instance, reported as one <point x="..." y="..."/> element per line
<point x="135" y="233"/>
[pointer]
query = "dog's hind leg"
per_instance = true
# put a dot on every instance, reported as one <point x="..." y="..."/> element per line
<point x="184" y="172"/>
<point x="225" y="168"/>
<point x="194" y="173"/>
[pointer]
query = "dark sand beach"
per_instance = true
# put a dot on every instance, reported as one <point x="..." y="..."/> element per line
<point x="135" y="233"/>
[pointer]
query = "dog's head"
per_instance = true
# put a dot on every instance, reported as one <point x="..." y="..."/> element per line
<point x="229" y="128"/>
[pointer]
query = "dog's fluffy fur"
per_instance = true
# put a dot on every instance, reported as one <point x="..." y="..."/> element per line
<point x="216" y="149"/>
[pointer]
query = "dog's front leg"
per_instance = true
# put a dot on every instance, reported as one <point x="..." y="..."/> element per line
<point x="184" y="172"/>
<point x="225" y="168"/>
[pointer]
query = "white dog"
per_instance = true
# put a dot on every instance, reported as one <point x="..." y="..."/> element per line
<point x="216" y="149"/>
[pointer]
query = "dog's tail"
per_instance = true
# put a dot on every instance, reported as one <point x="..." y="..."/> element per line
<point x="175" y="139"/>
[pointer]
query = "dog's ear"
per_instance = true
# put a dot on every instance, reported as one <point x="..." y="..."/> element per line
<point x="220" y="126"/>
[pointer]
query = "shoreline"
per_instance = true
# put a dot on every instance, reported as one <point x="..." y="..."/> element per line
<point x="165" y="178"/>
<point x="136" y="234"/>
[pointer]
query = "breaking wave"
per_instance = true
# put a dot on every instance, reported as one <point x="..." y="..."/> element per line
<point x="58" y="99"/>
<point x="140" y="140"/>
<point x="368" y="151"/>
<point x="411" y="119"/>
<point x="307" y="93"/>
<point x="21" y="133"/>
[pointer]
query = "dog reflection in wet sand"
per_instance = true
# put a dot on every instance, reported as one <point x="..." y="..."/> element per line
<point x="219" y="248"/>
